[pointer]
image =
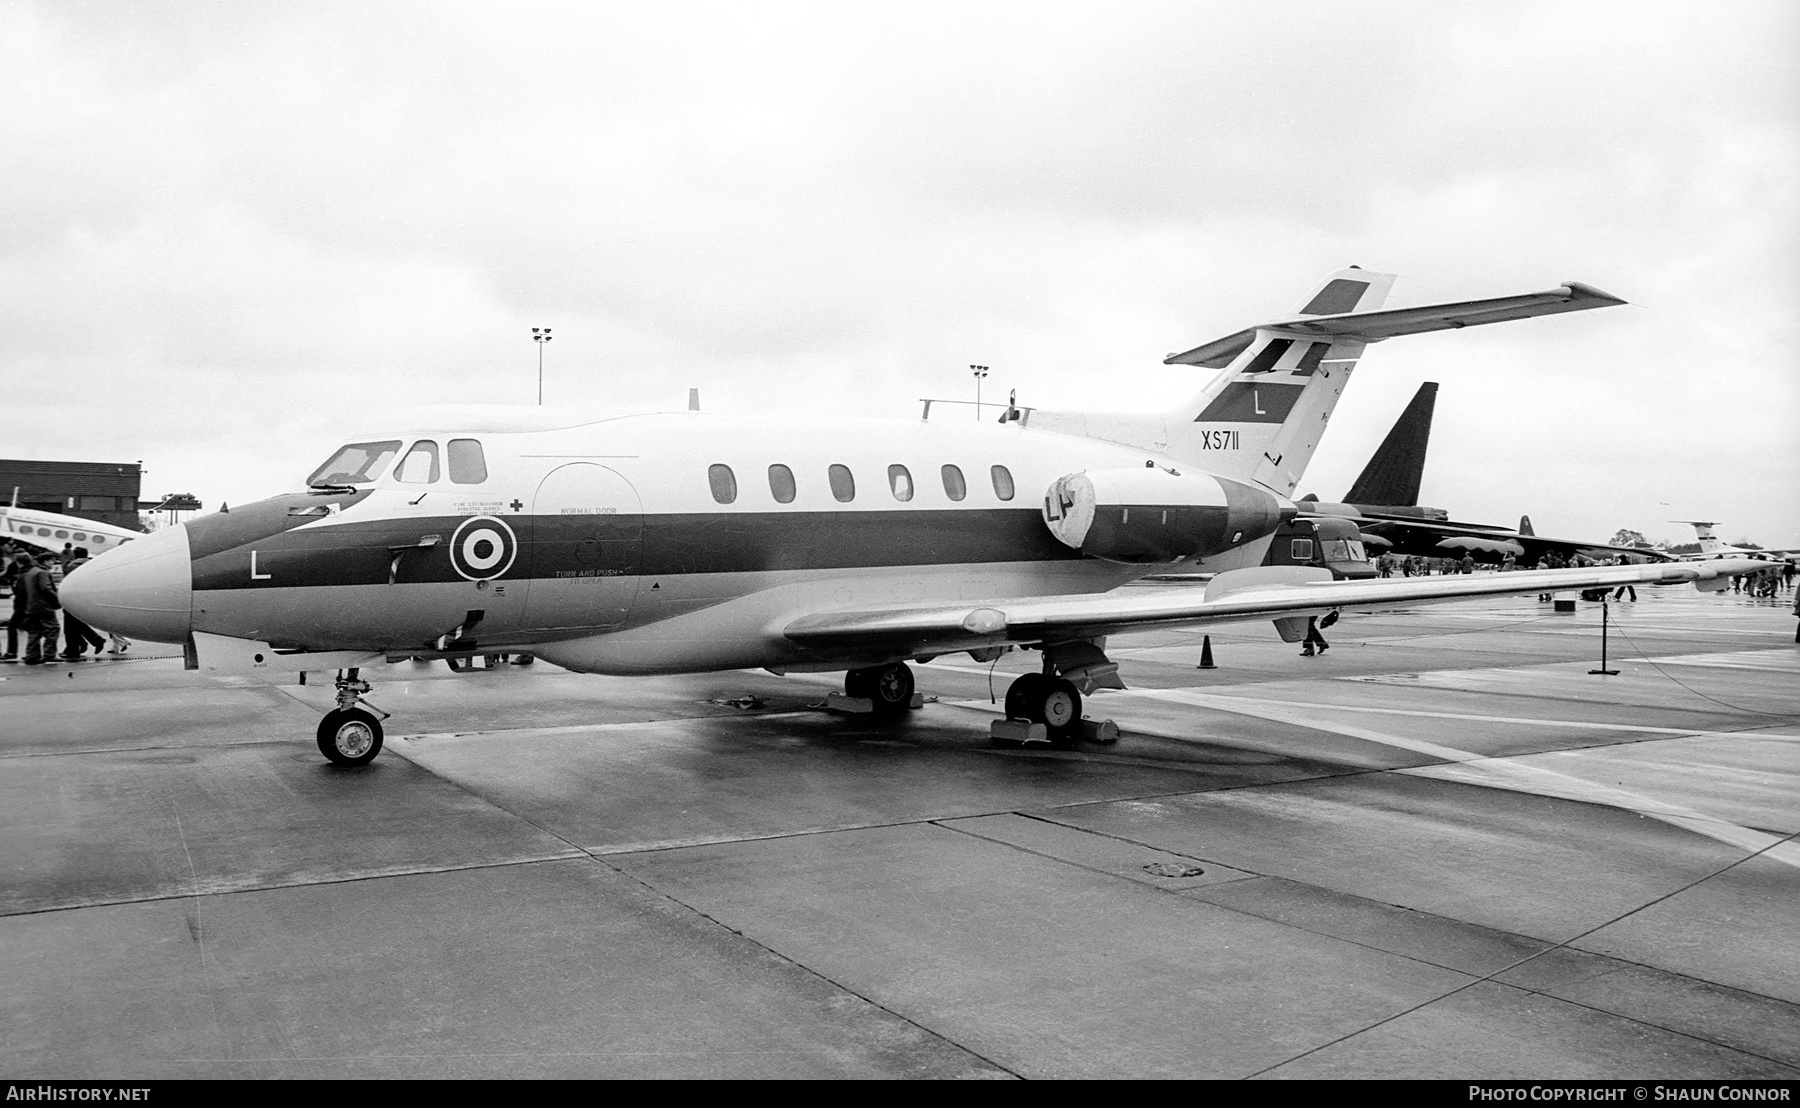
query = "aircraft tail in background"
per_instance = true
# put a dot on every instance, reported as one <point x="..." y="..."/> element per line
<point x="1261" y="419"/>
<point x="1397" y="468"/>
<point x="1709" y="540"/>
<point x="1525" y="526"/>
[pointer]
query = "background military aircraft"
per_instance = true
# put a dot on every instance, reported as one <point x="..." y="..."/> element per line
<point x="1384" y="503"/>
<point x="1711" y="546"/>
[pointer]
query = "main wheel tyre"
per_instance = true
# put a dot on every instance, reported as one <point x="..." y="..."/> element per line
<point x="891" y="688"/>
<point x="349" y="737"/>
<point x="860" y="683"/>
<point x="1023" y="693"/>
<point x="1051" y="701"/>
<point x="1061" y="708"/>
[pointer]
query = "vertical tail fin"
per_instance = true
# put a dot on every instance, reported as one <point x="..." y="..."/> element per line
<point x="1704" y="533"/>
<point x="1525" y="526"/>
<point x="1261" y="419"/>
<point x="1397" y="467"/>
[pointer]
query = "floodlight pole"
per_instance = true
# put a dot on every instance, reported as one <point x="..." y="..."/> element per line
<point x="980" y="371"/>
<point x="540" y="335"/>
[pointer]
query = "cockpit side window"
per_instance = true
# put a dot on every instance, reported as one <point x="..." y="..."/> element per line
<point x="420" y="466"/>
<point x="355" y="464"/>
<point x="468" y="465"/>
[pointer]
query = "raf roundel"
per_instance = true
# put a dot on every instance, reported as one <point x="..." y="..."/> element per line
<point x="483" y="548"/>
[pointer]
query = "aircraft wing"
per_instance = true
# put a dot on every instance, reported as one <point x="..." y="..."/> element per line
<point x="1268" y="592"/>
<point x="1392" y="322"/>
<point x="1449" y="539"/>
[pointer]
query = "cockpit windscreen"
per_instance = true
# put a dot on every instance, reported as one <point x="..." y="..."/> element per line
<point x="356" y="464"/>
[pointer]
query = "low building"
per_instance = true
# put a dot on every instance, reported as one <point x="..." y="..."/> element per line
<point x="107" y="492"/>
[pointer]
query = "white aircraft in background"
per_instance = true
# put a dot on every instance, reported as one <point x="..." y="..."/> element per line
<point x="1711" y="546"/>
<point x="53" y="531"/>
<point x="685" y="541"/>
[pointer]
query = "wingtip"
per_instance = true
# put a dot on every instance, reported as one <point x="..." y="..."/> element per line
<point x="1579" y="290"/>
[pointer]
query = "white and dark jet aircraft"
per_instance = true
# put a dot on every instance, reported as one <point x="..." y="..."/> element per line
<point x="687" y="541"/>
<point x="53" y="530"/>
<point x="1711" y="546"/>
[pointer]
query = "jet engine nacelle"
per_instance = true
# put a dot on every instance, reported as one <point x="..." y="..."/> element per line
<point x="1152" y="515"/>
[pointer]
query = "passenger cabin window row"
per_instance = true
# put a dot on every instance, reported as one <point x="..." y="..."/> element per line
<point x="842" y="483"/>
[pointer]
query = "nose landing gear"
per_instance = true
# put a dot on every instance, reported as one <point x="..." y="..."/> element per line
<point x="350" y="735"/>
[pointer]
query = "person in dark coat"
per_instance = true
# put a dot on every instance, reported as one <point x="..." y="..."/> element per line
<point x="13" y="578"/>
<point x="78" y="637"/>
<point x="1313" y="638"/>
<point x="41" y="606"/>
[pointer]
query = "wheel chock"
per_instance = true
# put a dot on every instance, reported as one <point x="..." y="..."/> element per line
<point x="1019" y="731"/>
<point x="862" y="705"/>
<point x="1099" y="731"/>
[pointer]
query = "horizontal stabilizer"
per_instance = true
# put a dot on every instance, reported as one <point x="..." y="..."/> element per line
<point x="1393" y="322"/>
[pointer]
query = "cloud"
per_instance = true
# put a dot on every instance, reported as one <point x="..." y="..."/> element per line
<point x="232" y="228"/>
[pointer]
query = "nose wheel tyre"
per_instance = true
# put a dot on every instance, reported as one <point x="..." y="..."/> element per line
<point x="349" y="737"/>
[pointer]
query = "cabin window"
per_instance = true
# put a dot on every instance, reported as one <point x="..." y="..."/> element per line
<point x="843" y="486"/>
<point x="781" y="483"/>
<point x="724" y="483"/>
<point x="1300" y="550"/>
<point x="900" y="480"/>
<point x="420" y="466"/>
<point x="1003" y="482"/>
<point x="1343" y="550"/>
<point x="355" y="464"/>
<point x="954" y="486"/>
<point x="468" y="465"/>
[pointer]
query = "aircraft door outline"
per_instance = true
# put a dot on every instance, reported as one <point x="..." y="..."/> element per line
<point x="587" y="536"/>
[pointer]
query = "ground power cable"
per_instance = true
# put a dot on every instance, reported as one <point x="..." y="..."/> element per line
<point x="1672" y="679"/>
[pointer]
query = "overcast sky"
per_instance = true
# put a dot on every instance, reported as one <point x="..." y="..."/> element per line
<point x="235" y="232"/>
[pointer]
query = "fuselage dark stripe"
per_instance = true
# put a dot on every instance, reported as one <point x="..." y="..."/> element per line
<point x="377" y="551"/>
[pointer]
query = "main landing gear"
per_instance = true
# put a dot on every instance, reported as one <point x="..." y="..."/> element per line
<point x="1046" y="707"/>
<point x="1054" y="702"/>
<point x="889" y="688"/>
<point x="350" y="735"/>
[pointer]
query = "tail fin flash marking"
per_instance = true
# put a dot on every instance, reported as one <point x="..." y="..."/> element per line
<point x="1309" y="361"/>
<point x="1338" y="296"/>
<point x="1271" y="354"/>
<point x="1252" y="402"/>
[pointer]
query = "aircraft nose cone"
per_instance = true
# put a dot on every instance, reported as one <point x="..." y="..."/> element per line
<point x="142" y="590"/>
